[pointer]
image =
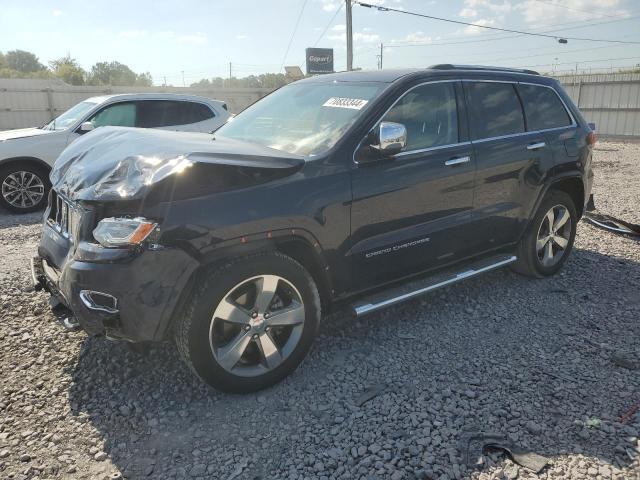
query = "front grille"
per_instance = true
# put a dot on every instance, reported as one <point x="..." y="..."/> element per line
<point x="64" y="217"/>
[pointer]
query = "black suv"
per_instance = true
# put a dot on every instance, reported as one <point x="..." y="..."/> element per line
<point x="358" y="188"/>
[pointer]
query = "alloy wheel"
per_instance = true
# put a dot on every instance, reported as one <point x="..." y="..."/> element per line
<point x="22" y="189"/>
<point x="554" y="235"/>
<point x="257" y="325"/>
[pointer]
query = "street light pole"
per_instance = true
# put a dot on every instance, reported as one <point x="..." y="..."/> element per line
<point x="349" y="37"/>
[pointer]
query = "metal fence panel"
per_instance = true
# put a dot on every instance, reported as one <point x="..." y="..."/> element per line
<point x="30" y="102"/>
<point x="611" y="100"/>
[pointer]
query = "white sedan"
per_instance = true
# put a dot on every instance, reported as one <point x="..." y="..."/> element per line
<point x="27" y="154"/>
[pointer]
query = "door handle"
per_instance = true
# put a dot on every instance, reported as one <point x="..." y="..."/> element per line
<point x="457" y="161"/>
<point x="536" y="146"/>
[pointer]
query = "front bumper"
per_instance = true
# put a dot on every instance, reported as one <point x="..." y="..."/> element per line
<point x="133" y="299"/>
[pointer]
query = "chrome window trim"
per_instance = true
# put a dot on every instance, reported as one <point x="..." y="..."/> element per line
<point x="480" y="140"/>
<point x="428" y="82"/>
<point x="437" y="147"/>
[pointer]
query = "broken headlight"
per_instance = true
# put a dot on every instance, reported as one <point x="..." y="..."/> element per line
<point x="123" y="232"/>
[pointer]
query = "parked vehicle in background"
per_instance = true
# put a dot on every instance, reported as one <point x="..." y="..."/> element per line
<point x="365" y="188"/>
<point x="27" y="154"/>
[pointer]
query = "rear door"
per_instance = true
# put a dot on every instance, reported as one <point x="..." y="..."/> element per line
<point x="411" y="212"/>
<point x="510" y="162"/>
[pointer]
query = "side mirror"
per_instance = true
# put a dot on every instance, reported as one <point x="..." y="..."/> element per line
<point x="392" y="138"/>
<point x="388" y="140"/>
<point x="85" y="127"/>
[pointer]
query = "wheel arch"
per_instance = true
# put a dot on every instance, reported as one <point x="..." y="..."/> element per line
<point x="574" y="187"/>
<point x="301" y="246"/>
<point x="26" y="160"/>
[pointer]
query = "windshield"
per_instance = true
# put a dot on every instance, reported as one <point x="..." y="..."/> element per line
<point x="305" y="119"/>
<point x="70" y="117"/>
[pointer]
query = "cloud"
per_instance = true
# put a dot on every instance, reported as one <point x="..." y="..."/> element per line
<point x="330" y="5"/>
<point x="57" y="13"/>
<point x="468" y="13"/>
<point x="195" y="39"/>
<point x="503" y="7"/>
<point x="131" y="34"/>
<point x="242" y="37"/>
<point x="476" y="30"/>
<point x="539" y="13"/>
<point x="338" y="28"/>
<point x="357" y="37"/>
<point x="418" y="37"/>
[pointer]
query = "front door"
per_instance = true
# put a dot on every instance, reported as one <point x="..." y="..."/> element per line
<point x="411" y="212"/>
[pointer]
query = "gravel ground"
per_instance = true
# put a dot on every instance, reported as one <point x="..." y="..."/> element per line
<point x="551" y="363"/>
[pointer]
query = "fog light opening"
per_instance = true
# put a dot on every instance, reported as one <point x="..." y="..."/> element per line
<point x="99" y="301"/>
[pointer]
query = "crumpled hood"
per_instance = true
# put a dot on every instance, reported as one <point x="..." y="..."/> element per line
<point x="22" y="133"/>
<point x="119" y="163"/>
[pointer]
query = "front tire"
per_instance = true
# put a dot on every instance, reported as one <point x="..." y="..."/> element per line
<point x="548" y="241"/>
<point x="24" y="188"/>
<point x="250" y="323"/>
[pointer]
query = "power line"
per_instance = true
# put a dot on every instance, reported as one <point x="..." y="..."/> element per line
<point x="559" y="5"/>
<point x="295" y="29"/>
<point x="492" y="38"/>
<point x="584" y="61"/>
<point x="498" y="36"/>
<point x="338" y="10"/>
<point x="508" y="30"/>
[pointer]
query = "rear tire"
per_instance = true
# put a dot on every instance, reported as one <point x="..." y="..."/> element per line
<point x="250" y="322"/>
<point x="548" y="241"/>
<point x="24" y="188"/>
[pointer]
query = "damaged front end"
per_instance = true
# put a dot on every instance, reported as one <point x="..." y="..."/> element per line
<point x="103" y="252"/>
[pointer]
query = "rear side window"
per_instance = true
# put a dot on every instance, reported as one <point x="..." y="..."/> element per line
<point x="543" y="108"/>
<point x="168" y="113"/>
<point x="429" y="114"/>
<point x="494" y="109"/>
<point x="119" y="115"/>
<point x="196" y="112"/>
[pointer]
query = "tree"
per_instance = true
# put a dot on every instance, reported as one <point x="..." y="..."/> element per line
<point x="144" y="80"/>
<point x="112" y="73"/>
<point x="21" y="61"/>
<point x="67" y="69"/>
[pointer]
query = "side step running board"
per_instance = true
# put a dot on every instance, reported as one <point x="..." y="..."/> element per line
<point x="418" y="287"/>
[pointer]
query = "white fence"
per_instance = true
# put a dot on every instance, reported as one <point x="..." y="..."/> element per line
<point x="611" y="100"/>
<point x="28" y="103"/>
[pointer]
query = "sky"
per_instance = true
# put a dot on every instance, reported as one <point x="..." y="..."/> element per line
<point x="199" y="38"/>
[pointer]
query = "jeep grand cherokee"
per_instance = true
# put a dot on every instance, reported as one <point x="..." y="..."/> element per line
<point x="359" y="188"/>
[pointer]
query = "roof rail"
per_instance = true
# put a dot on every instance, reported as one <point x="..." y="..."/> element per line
<point x="449" y="66"/>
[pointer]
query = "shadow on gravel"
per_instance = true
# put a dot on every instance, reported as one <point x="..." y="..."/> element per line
<point x="531" y="359"/>
<point x="9" y="220"/>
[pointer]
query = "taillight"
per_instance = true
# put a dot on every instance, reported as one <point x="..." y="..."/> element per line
<point x="591" y="138"/>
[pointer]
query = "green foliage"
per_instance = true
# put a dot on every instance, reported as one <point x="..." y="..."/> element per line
<point x="21" y="61"/>
<point x="68" y="70"/>
<point x="111" y="73"/>
<point x="265" y="80"/>
<point x="144" y="80"/>
<point x="21" y="64"/>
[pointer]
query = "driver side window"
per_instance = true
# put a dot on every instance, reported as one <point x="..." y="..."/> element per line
<point x="118" y="115"/>
<point x="429" y="113"/>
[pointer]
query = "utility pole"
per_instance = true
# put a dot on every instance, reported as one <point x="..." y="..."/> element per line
<point x="165" y="80"/>
<point x="229" y="74"/>
<point x="183" y="79"/>
<point x="349" y="36"/>
<point x="380" y="57"/>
